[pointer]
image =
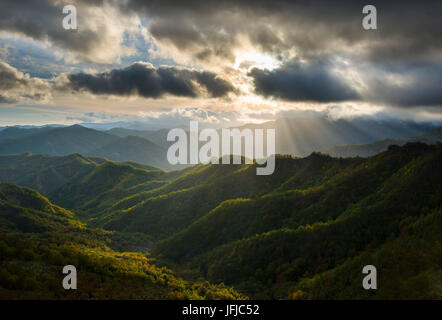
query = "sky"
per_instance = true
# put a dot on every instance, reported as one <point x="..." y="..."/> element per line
<point x="220" y="62"/>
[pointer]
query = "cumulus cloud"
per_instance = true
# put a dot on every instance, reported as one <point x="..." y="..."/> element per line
<point x="142" y="79"/>
<point x="396" y="65"/>
<point x="298" y="81"/>
<point x="409" y="35"/>
<point x="398" y="84"/>
<point x="213" y="31"/>
<point x="99" y="37"/>
<point x="179" y="117"/>
<point x="15" y="86"/>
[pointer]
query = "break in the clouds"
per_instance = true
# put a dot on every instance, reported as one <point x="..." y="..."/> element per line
<point x="216" y="30"/>
<point x="303" y="36"/>
<point x="142" y="79"/>
<point x="407" y="29"/>
<point x="275" y="53"/>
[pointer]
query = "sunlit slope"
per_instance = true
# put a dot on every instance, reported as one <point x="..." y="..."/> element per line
<point x="38" y="238"/>
<point x="80" y="182"/>
<point x="277" y="236"/>
<point x="100" y="187"/>
<point x="45" y="173"/>
<point x="171" y="208"/>
<point x="267" y="245"/>
<point x="295" y="203"/>
<point x="167" y="210"/>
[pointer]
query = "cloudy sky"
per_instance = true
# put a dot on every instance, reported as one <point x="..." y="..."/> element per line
<point x="221" y="62"/>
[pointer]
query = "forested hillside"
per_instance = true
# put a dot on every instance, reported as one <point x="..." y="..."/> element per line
<point x="37" y="239"/>
<point x="304" y="232"/>
<point x="262" y="244"/>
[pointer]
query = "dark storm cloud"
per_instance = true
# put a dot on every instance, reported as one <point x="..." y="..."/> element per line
<point x="303" y="82"/>
<point x="409" y="33"/>
<point x="399" y="63"/>
<point x="41" y="19"/>
<point x="144" y="80"/>
<point x="406" y="29"/>
<point x="412" y="84"/>
<point x="216" y="86"/>
<point x="405" y="85"/>
<point x="99" y="28"/>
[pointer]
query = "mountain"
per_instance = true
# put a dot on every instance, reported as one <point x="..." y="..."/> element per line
<point x="301" y="136"/>
<point x="298" y="136"/>
<point x="38" y="238"/>
<point x="200" y="190"/>
<point x="430" y="137"/>
<point x="370" y="149"/>
<point x="59" y="141"/>
<point x="363" y="150"/>
<point x="10" y="133"/>
<point x="273" y="245"/>
<point x="76" y="175"/>
<point x="304" y="135"/>
<point x="78" y="139"/>
<point x="275" y="236"/>
<point x="45" y="173"/>
<point x="304" y="232"/>
<point x="134" y="148"/>
<point x="159" y="137"/>
<point x="100" y="187"/>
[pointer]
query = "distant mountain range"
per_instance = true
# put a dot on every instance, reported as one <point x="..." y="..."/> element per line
<point x="302" y="136"/>
<point x="78" y="139"/>
<point x="370" y="149"/>
<point x="297" y="136"/>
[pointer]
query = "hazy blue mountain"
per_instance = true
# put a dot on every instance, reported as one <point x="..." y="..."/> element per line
<point x="296" y="136"/>
<point x="59" y="141"/>
<point x="78" y="139"/>
<point x="136" y="149"/>
<point x="16" y="132"/>
<point x="303" y="135"/>
<point x="369" y="149"/>
<point x="157" y="136"/>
